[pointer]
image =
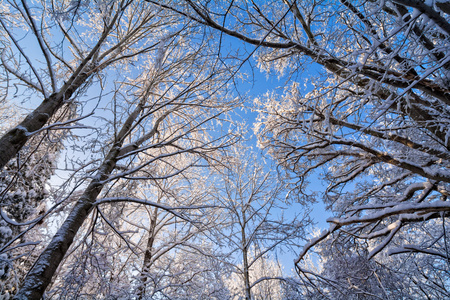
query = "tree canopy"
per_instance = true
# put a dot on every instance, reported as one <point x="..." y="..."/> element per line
<point x="128" y="169"/>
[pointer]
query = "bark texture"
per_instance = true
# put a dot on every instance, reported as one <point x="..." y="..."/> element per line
<point x="41" y="274"/>
<point x="45" y="267"/>
<point x="16" y="138"/>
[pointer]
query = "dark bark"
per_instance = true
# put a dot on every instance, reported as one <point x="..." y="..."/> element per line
<point x="42" y="271"/>
<point x="15" y="139"/>
<point x="41" y="274"/>
<point x="247" y="288"/>
<point x="427" y="10"/>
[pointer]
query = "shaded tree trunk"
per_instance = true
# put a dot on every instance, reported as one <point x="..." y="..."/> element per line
<point x="45" y="267"/>
<point x="247" y="288"/>
<point x="40" y="276"/>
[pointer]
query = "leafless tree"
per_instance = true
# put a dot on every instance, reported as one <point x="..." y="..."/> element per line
<point x="255" y="202"/>
<point x="166" y="112"/>
<point x="57" y="57"/>
<point x="375" y="118"/>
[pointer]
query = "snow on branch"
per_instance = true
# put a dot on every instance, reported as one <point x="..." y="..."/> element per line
<point x="415" y="248"/>
<point x="42" y="45"/>
<point x="427" y="10"/>
<point x="28" y="60"/>
<point x="21" y="76"/>
<point x="62" y="125"/>
<point x="172" y="210"/>
<point x="314" y="241"/>
<point x="418" y="209"/>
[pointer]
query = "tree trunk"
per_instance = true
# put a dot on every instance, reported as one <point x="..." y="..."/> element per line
<point x="245" y="260"/>
<point x="147" y="256"/>
<point x="41" y="274"/>
<point x="246" y="275"/>
<point x="12" y="141"/>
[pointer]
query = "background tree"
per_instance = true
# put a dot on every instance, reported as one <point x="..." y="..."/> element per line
<point x="177" y="261"/>
<point x="135" y="251"/>
<point x="347" y="273"/>
<point x="255" y="202"/>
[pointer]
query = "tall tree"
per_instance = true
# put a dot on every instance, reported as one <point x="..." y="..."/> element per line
<point x="376" y="120"/>
<point x="24" y="188"/>
<point x="146" y="252"/>
<point x="166" y="111"/>
<point x="175" y="244"/>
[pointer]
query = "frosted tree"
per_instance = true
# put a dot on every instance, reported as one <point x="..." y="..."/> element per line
<point x="255" y="227"/>
<point x="373" y="120"/>
<point x="46" y="54"/>
<point x="165" y="112"/>
<point x="53" y="51"/>
<point x="187" y="273"/>
<point x="146" y="252"/>
<point x="24" y="190"/>
<point x="8" y="112"/>
<point x="347" y="273"/>
<point x="177" y="260"/>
